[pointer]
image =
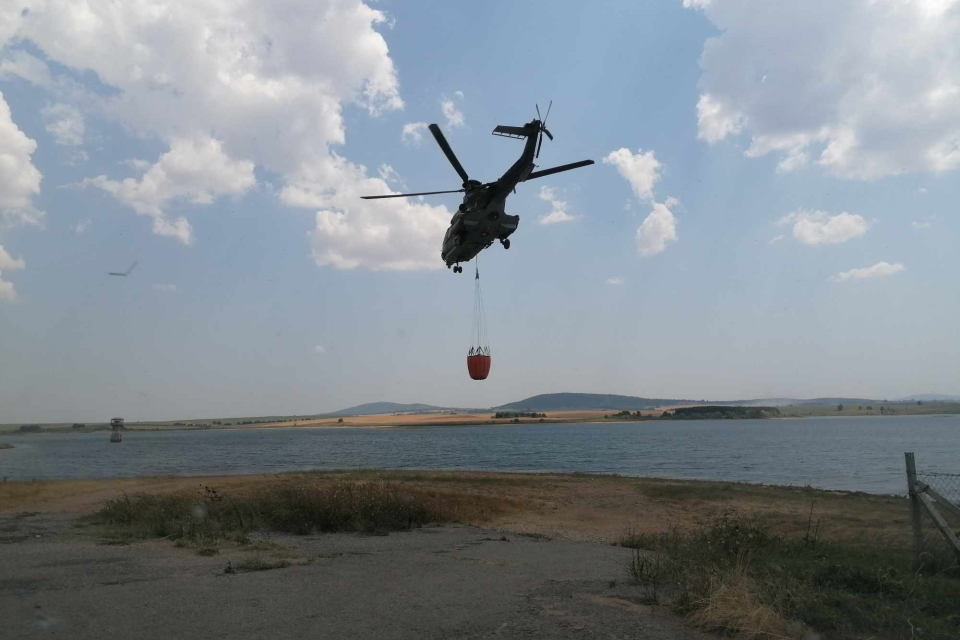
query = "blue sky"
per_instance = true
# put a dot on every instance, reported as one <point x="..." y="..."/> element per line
<point x="776" y="214"/>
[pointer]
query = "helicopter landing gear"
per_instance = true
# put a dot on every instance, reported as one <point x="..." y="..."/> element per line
<point x="506" y="243"/>
<point x="457" y="269"/>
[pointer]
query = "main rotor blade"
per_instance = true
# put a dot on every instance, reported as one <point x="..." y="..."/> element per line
<point x="563" y="167"/>
<point x="539" y="144"/>
<point x="410" y="195"/>
<point x="547" y="131"/>
<point x="548" y="114"/>
<point x="447" y="151"/>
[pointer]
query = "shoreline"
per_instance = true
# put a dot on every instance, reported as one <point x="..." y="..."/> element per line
<point x="584" y="506"/>
<point x="381" y="421"/>
<point x="465" y="423"/>
<point x="530" y="474"/>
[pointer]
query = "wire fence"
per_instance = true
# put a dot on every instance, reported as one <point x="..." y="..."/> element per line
<point x="940" y="551"/>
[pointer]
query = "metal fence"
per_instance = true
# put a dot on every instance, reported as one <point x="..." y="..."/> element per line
<point x="935" y="506"/>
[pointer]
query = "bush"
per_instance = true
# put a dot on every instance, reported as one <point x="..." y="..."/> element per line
<point x="734" y="575"/>
<point x="299" y="508"/>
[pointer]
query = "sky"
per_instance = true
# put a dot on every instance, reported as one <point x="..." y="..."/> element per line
<point x="772" y="212"/>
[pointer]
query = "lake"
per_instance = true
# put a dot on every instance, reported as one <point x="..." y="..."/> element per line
<point x="861" y="454"/>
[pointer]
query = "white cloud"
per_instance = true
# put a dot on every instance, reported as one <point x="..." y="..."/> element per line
<point x="921" y="225"/>
<point x="641" y="170"/>
<point x="389" y="175"/>
<point x="412" y="133"/>
<point x="657" y="230"/>
<point x="20" y="64"/>
<point x="7" y="292"/>
<point x="395" y="234"/>
<point x="135" y="163"/>
<point x="715" y="121"/>
<point x="450" y="111"/>
<point x="922" y="191"/>
<point x="459" y="94"/>
<point x="615" y="280"/>
<point x="865" y="88"/>
<point x="558" y="208"/>
<point x="776" y="239"/>
<point x="19" y="178"/>
<point x="81" y="226"/>
<point x="269" y="82"/>
<point x="819" y="227"/>
<point x="319" y="349"/>
<point x="166" y="288"/>
<point x="879" y="269"/>
<point x="195" y="170"/>
<point x="8" y="263"/>
<point x="65" y="124"/>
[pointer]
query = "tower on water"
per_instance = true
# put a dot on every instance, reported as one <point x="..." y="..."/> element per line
<point x="117" y="425"/>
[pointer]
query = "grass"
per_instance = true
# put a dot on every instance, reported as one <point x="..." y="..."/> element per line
<point x="303" y="505"/>
<point x="735" y="574"/>
<point x="259" y="563"/>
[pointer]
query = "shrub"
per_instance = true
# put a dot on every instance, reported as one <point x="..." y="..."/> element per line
<point x="734" y="575"/>
<point x="300" y="508"/>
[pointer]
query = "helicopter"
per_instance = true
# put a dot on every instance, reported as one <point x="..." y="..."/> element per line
<point x="481" y="218"/>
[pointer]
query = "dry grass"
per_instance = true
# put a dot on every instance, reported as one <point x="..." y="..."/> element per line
<point x="735" y="574"/>
<point x="731" y="606"/>
<point x="307" y="506"/>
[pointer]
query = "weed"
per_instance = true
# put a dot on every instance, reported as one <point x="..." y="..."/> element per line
<point x="259" y="563"/>
<point x="211" y="517"/>
<point x="733" y="575"/>
<point x="536" y="536"/>
<point x="650" y="570"/>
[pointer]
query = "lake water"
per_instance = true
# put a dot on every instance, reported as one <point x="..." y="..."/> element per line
<point x="863" y="454"/>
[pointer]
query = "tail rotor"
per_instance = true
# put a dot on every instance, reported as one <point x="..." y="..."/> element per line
<point x="543" y="127"/>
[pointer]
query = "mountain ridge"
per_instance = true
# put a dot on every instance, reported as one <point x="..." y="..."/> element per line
<point x="572" y="401"/>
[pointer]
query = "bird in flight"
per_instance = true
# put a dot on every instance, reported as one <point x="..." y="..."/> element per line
<point x="125" y="273"/>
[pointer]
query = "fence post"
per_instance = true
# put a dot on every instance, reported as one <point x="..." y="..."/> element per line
<point x="914" y="508"/>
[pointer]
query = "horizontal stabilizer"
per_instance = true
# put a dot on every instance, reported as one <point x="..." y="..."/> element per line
<point x="563" y="167"/>
<point x="512" y="132"/>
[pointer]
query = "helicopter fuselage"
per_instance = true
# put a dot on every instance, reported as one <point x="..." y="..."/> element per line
<point x="482" y="217"/>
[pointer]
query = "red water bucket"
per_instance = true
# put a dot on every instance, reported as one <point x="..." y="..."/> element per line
<point x="478" y="366"/>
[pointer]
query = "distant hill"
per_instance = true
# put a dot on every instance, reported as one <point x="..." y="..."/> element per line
<point x="587" y="401"/>
<point x="372" y="408"/>
<point x="609" y="402"/>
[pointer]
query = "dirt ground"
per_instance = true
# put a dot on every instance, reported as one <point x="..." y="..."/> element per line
<point x="543" y="567"/>
<point x="436" y="582"/>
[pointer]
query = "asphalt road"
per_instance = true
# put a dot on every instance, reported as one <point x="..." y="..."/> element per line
<point x="60" y="581"/>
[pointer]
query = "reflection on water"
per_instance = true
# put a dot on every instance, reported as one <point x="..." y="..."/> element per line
<point x="864" y="454"/>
